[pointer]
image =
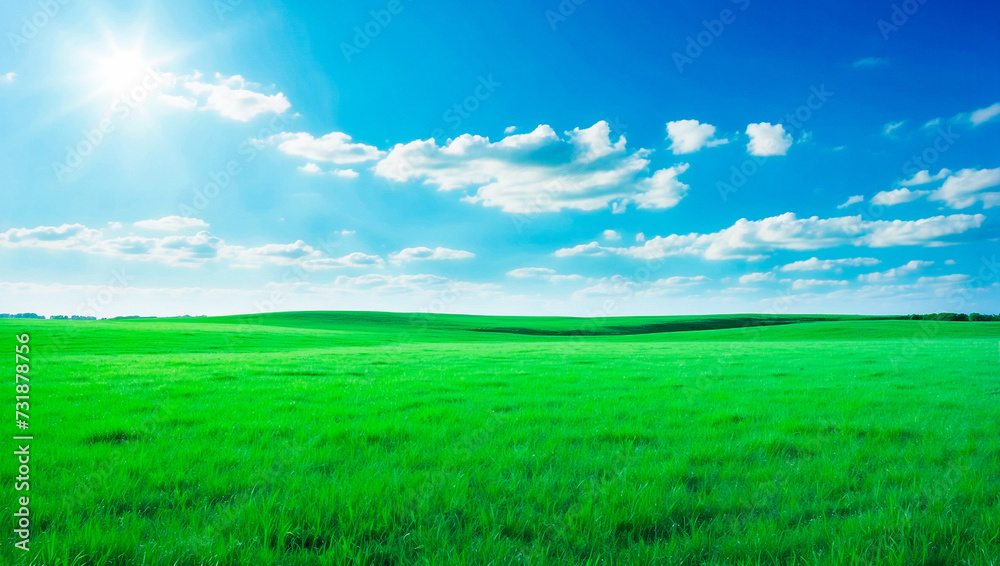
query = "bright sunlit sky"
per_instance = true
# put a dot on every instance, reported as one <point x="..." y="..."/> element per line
<point x="522" y="157"/>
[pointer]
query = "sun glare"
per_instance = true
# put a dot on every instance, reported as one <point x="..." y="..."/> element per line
<point x="121" y="71"/>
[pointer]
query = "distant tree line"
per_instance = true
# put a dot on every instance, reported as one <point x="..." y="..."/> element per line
<point x="956" y="316"/>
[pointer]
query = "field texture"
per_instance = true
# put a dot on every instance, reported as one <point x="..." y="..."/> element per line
<point x="382" y="439"/>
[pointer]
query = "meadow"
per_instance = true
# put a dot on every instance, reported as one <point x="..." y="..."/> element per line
<point x="385" y="439"/>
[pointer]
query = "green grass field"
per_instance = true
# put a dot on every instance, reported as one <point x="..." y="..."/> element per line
<point x="379" y="439"/>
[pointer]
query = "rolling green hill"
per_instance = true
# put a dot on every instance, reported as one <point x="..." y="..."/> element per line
<point x="383" y="438"/>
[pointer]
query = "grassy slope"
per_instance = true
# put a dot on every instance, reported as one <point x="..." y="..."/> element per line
<point x="320" y="438"/>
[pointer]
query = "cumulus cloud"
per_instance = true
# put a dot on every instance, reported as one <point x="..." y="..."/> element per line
<point x="851" y="200"/>
<point x="688" y="136"/>
<point x="8" y="77"/>
<point x="897" y="196"/>
<point x="924" y="177"/>
<point x="767" y="139"/>
<point x="611" y="235"/>
<point x="816" y="264"/>
<point x="896" y="272"/>
<point x="171" y="224"/>
<point x="422" y="253"/>
<point x="335" y="147"/>
<point x="538" y="171"/>
<point x="231" y="97"/>
<point x="757" y="277"/>
<point x="968" y="186"/>
<point x="755" y="239"/>
<point x="510" y="130"/>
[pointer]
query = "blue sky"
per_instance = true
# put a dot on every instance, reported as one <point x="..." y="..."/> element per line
<point x="529" y="157"/>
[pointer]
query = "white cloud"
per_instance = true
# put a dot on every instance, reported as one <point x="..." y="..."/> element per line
<point x="954" y="278"/>
<point x="851" y="200"/>
<point x="662" y="190"/>
<point x="538" y="171"/>
<point x="688" y="136"/>
<point x="924" y="177"/>
<point x="611" y="235"/>
<point x="422" y="253"/>
<point x="177" y="101"/>
<point x="757" y="277"/>
<point x="767" y="139"/>
<point x="816" y="264"/>
<point x="755" y="239"/>
<point x="277" y="254"/>
<point x="356" y="259"/>
<point x="966" y="187"/>
<point x="171" y="224"/>
<point x="897" y="196"/>
<point x="949" y="262"/>
<point x="231" y="97"/>
<point x="984" y="115"/>
<point x="640" y="237"/>
<point x="895" y="272"/>
<point x="184" y="250"/>
<point x="67" y="236"/>
<point x="314" y="169"/>
<point x="510" y="130"/>
<point x="335" y="147"/>
<point x="891" y="126"/>
<point x="543" y="273"/>
<point x="869" y="62"/>
<point x="8" y="77"/>
<point x="974" y="118"/>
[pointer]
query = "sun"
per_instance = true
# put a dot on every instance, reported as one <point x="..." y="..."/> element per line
<point x="121" y="70"/>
